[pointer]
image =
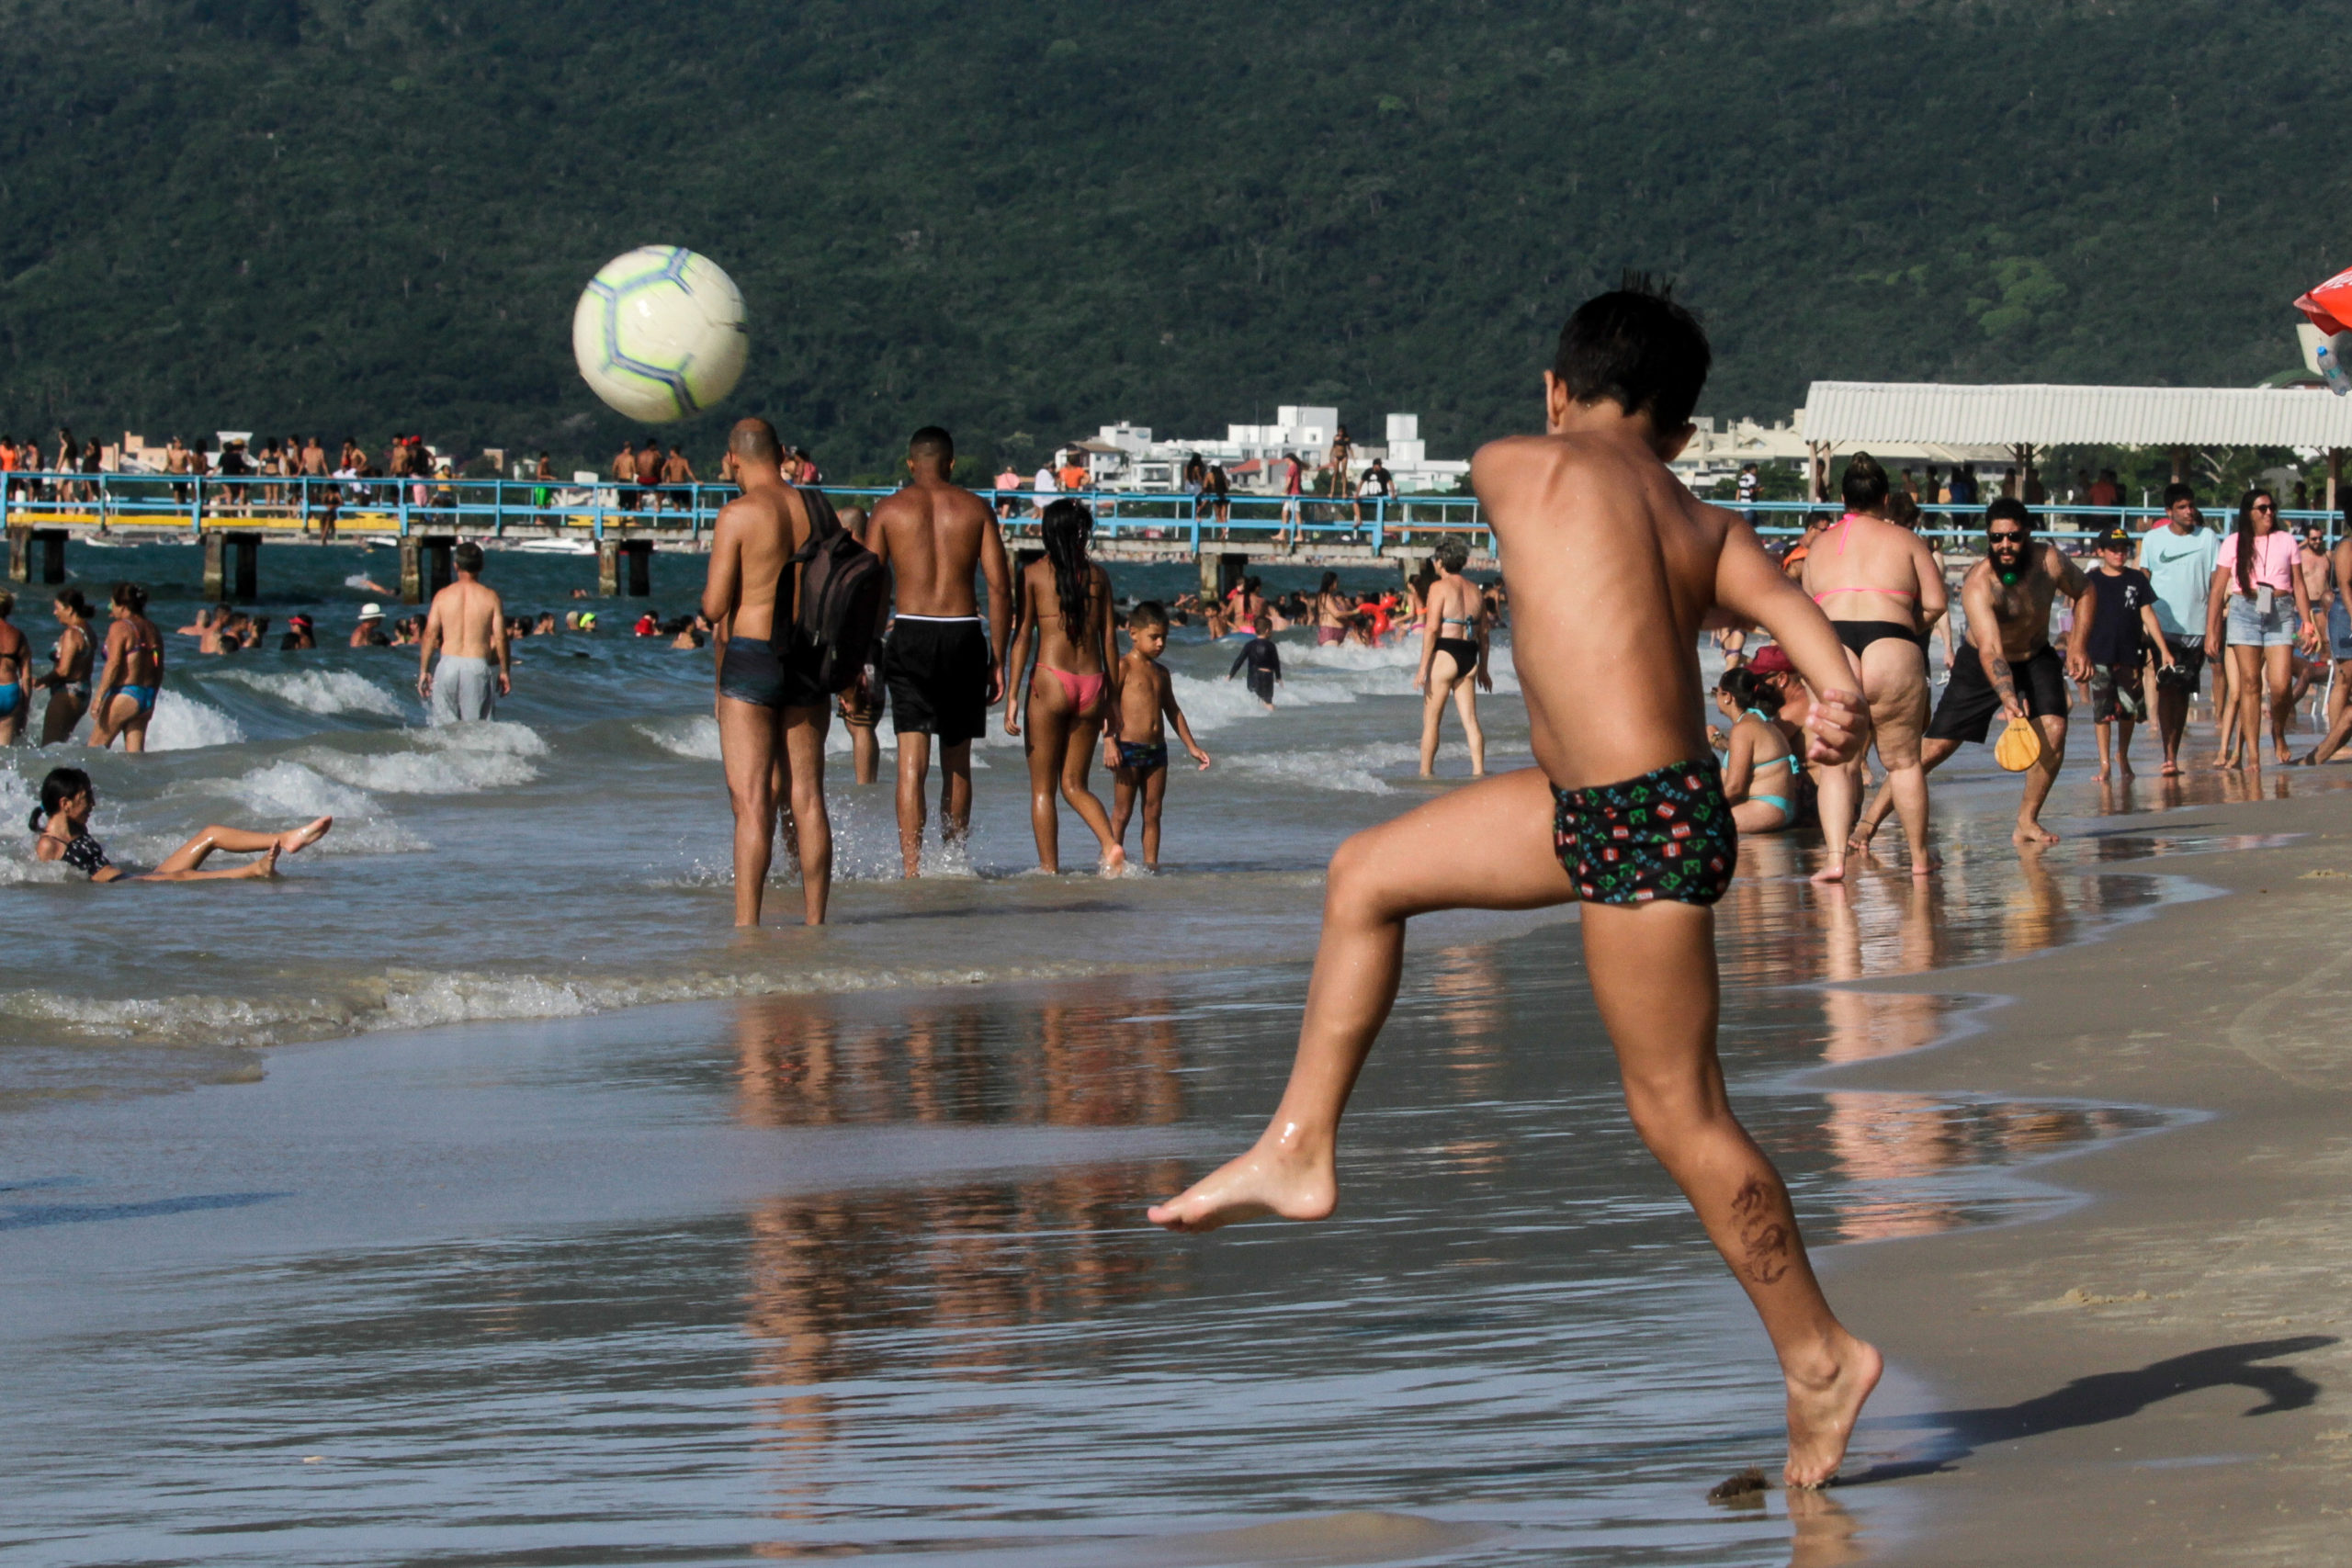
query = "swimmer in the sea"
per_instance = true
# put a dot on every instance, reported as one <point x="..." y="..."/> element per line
<point x="61" y="822"/>
<point x="1759" y="765"/>
<point x="16" y="667"/>
<point x="1135" y="742"/>
<point x="1619" y="570"/>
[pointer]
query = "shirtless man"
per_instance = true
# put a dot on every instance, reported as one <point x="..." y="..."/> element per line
<point x="1620" y="570"/>
<point x="2009" y="667"/>
<point x="773" y="717"/>
<point x="941" y="670"/>
<point x="468" y="623"/>
<point x="1879" y="585"/>
<point x="625" y="476"/>
<point x="676" y="469"/>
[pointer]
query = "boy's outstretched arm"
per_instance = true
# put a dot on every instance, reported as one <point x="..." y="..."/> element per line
<point x="1175" y="716"/>
<point x="1749" y="585"/>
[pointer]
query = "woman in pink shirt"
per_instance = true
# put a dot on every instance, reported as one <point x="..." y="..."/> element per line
<point x="2258" y="596"/>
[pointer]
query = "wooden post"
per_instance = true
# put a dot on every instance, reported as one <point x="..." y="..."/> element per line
<point x="2180" y="465"/>
<point x="608" y="566"/>
<point x="640" y="567"/>
<point x="2335" y="475"/>
<point x="1815" y="481"/>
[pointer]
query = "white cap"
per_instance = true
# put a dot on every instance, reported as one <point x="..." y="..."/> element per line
<point x="371" y="612"/>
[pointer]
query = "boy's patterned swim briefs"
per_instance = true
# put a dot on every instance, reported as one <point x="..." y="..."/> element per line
<point x="1667" y="834"/>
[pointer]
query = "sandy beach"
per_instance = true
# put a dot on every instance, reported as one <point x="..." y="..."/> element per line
<point x="2159" y="1375"/>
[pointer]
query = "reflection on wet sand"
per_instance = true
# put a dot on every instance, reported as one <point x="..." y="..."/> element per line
<point x="861" y="1285"/>
<point x="1109" y="1060"/>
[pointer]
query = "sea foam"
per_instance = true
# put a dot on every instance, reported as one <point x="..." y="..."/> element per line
<point x="183" y="724"/>
<point x="319" y="690"/>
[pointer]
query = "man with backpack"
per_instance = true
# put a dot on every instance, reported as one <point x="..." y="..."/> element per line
<point x="771" y="706"/>
<point x="940" y="666"/>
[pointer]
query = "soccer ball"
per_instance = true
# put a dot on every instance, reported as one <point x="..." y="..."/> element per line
<point x="658" y="333"/>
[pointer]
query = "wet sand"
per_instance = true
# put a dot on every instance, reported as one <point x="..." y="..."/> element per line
<point x="2164" y="1373"/>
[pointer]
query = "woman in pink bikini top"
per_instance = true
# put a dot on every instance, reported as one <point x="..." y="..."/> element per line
<point x="1064" y="600"/>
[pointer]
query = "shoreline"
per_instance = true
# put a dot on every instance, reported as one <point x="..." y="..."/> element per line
<point x="2161" y="1365"/>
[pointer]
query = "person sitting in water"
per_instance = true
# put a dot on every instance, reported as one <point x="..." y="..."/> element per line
<point x="61" y="822"/>
<point x="1759" y="765"/>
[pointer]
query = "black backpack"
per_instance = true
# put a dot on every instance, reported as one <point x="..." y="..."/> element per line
<point x="840" y="603"/>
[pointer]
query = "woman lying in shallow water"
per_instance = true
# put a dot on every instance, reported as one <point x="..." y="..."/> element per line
<point x="63" y="822"/>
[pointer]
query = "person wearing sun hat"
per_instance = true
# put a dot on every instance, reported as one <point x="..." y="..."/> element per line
<point x="370" y="632"/>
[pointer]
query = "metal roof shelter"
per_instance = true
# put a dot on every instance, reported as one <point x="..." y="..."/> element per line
<point x="1847" y="412"/>
<point x="1854" y="414"/>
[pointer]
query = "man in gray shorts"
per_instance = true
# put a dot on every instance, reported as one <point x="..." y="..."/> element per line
<point x="468" y="623"/>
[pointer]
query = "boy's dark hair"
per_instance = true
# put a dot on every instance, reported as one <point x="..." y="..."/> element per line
<point x="1147" y="617"/>
<point x="1638" y="348"/>
<point x="2178" y="492"/>
<point x="466" y="557"/>
<point x="2010" y="508"/>
<point x="1864" y="488"/>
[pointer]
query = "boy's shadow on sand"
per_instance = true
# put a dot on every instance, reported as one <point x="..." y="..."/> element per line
<point x="2104" y="1396"/>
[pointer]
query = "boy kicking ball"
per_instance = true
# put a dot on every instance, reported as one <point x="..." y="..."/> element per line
<point x="1614" y="569"/>
<point x="1134" y="743"/>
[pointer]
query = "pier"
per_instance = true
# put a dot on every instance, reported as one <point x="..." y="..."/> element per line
<point x="232" y="519"/>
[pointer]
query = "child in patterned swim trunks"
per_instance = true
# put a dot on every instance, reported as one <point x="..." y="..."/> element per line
<point x="1615" y="571"/>
<point x="1135" y="742"/>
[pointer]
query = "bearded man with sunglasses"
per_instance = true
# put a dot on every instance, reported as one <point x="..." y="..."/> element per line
<point x="2007" y="667"/>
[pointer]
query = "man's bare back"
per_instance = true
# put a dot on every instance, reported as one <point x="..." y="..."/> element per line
<point x="933" y="534"/>
<point x="750" y="545"/>
<point x="469" y="617"/>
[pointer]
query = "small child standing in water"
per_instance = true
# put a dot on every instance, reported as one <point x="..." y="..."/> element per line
<point x="1134" y="743"/>
<point x="1265" y="663"/>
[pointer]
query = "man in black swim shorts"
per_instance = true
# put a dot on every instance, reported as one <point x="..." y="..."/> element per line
<point x="941" y="664"/>
<point x="2007" y="667"/>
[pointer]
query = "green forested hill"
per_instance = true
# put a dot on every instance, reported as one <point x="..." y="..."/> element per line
<point x="1028" y="217"/>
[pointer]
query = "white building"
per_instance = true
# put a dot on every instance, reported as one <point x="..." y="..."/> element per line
<point x="1126" y="456"/>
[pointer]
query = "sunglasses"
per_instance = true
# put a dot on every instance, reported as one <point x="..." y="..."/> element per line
<point x="2262" y="507"/>
<point x="2009" y="538"/>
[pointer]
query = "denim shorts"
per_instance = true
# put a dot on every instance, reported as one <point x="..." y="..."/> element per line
<point x="2339" y="631"/>
<point x="2249" y="627"/>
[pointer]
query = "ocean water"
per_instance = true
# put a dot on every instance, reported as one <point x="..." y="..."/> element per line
<point x="588" y="1230"/>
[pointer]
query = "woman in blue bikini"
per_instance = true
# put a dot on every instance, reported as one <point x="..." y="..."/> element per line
<point x="134" y="673"/>
<point x="1759" y="770"/>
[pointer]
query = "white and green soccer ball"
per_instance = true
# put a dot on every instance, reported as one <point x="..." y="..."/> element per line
<point x="658" y="333"/>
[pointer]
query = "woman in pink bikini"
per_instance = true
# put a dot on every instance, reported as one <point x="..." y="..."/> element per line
<point x="1066" y="599"/>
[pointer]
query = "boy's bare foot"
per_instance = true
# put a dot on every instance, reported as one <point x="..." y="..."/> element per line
<point x="1927" y="866"/>
<point x="2032" y="833"/>
<point x="2169" y="771"/>
<point x="1857" y="842"/>
<point x="2100" y="776"/>
<point x="263" y="868"/>
<point x="1822" y="1412"/>
<point x="2123" y="768"/>
<point x="1291" y="1183"/>
<point x="1834" y="871"/>
<point x="1114" y="861"/>
<point x="302" y="838"/>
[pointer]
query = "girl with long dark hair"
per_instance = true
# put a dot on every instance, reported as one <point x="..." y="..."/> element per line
<point x="2260" y="601"/>
<point x="1065" y="600"/>
<point x="61" y="822"/>
<point x="1760" y="777"/>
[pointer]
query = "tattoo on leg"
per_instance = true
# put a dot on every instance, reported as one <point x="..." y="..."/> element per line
<point x="1764" y="1241"/>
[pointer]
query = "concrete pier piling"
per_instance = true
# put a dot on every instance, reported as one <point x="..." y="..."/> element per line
<point x="231" y="565"/>
<point x="425" y="565"/>
<point x="637" y="580"/>
<point x="28" y="545"/>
